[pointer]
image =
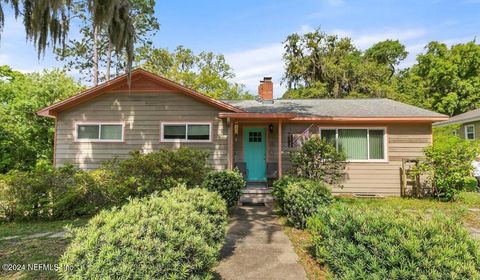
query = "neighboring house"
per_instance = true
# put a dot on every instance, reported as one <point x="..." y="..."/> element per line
<point x="466" y="125"/>
<point x="111" y="120"/>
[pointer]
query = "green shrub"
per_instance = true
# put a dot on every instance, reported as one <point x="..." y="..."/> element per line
<point x="319" y="160"/>
<point x="470" y="184"/>
<point x="48" y="193"/>
<point x="144" y="174"/>
<point x="387" y="243"/>
<point x="447" y="164"/>
<point x="175" y="236"/>
<point x="227" y="183"/>
<point x="279" y="187"/>
<point x="302" y="198"/>
<point x="57" y="193"/>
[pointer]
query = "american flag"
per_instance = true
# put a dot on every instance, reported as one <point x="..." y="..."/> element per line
<point x="301" y="138"/>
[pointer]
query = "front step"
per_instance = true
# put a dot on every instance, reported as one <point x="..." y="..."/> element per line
<point x="256" y="196"/>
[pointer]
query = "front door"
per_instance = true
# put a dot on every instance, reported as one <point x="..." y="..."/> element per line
<point x="254" y="153"/>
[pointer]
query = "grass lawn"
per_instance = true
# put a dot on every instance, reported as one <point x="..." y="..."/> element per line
<point x="467" y="208"/>
<point x="22" y="250"/>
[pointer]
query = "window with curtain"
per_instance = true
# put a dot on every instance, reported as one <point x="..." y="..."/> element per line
<point x="100" y="132"/>
<point x="470" y="132"/>
<point x="190" y="132"/>
<point x="357" y="143"/>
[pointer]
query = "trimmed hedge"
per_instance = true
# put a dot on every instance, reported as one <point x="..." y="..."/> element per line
<point x="302" y="199"/>
<point x="386" y="243"/>
<point x="227" y="183"/>
<point x="176" y="236"/>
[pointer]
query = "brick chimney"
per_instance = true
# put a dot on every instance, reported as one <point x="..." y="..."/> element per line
<point x="265" y="89"/>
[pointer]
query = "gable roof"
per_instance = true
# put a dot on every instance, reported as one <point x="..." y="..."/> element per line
<point x="141" y="80"/>
<point x="469" y="116"/>
<point x="338" y="108"/>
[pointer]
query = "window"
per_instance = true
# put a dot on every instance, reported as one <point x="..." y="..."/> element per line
<point x="358" y="143"/>
<point x="111" y="132"/>
<point x="470" y="132"/>
<point x="254" y="136"/>
<point x="186" y="132"/>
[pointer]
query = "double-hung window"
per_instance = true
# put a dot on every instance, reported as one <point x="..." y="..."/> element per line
<point x="470" y="132"/>
<point x="359" y="144"/>
<point x="186" y="132"/>
<point x="93" y="132"/>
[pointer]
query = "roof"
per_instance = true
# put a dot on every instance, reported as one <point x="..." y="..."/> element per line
<point x="292" y="109"/>
<point x="353" y="108"/>
<point x="469" y="116"/>
<point x="141" y="81"/>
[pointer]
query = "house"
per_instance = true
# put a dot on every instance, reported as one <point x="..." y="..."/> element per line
<point x="466" y="125"/>
<point x="112" y="119"/>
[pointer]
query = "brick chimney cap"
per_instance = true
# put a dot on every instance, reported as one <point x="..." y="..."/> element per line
<point x="267" y="79"/>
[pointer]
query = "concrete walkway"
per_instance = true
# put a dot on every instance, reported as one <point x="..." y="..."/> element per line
<point x="257" y="248"/>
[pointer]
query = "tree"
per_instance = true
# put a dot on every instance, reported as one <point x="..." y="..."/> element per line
<point x="24" y="137"/>
<point x="93" y="50"/>
<point x="387" y="52"/>
<point x="47" y="22"/>
<point x="205" y="72"/>
<point x="446" y="80"/>
<point x="319" y="65"/>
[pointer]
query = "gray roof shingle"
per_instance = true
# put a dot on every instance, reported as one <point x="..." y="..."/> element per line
<point x="380" y="107"/>
<point x="462" y="118"/>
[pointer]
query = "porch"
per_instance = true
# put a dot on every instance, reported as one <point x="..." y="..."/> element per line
<point x="255" y="149"/>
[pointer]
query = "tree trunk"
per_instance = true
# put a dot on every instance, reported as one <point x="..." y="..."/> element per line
<point x="95" y="56"/>
<point x="109" y="60"/>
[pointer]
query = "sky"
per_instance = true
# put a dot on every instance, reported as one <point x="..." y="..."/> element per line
<point x="250" y="33"/>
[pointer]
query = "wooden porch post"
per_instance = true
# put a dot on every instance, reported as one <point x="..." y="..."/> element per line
<point x="230" y="143"/>
<point x="279" y="148"/>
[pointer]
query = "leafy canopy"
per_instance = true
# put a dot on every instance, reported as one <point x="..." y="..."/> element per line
<point x="446" y="80"/>
<point x="318" y="65"/>
<point x="92" y="53"/>
<point x="25" y="137"/>
<point x="205" y="72"/>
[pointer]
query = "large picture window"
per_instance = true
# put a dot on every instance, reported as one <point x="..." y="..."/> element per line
<point x="186" y="132"/>
<point x="362" y="144"/>
<point x="90" y="132"/>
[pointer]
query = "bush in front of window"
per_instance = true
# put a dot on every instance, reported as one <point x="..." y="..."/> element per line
<point x="228" y="183"/>
<point x="448" y="162"/>
<point x="177" y="235"/>
<point x="358" y="242"/>
<point x="144" y="174"/>
<point x="302" y="198"/>
<point x="319" y="160"/>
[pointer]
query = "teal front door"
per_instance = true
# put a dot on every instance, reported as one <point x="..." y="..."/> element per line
<point x="254" y="153"/>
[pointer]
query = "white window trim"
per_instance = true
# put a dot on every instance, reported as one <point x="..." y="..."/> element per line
<point x="99" y="132"/>
<point x="466" y="131"/>
<point x="162" y="139"/>
<point x="385" y="141"/>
